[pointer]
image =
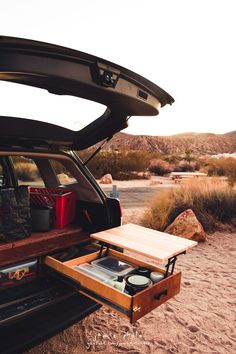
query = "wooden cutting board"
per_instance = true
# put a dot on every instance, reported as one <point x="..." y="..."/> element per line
<point x="154" y="244"/>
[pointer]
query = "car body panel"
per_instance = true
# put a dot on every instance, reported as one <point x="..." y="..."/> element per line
<point x="65" y="71"/>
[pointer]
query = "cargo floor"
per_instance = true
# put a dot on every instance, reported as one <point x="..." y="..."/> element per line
<point x="41" y="243"/>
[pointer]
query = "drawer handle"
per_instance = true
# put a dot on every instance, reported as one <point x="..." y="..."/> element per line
<point x="159" y="295"/>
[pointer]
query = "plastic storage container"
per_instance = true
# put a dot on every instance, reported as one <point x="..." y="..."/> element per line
<point x="95" y="272"/>
<point x="114" y="266"/>
<point x="41" y="218"/>
<point x="62" y="200"/>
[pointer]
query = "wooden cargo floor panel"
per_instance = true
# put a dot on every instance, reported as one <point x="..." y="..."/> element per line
<point x="40" y="243"/>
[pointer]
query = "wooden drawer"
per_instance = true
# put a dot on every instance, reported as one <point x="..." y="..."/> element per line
<point x="132" y="307"/>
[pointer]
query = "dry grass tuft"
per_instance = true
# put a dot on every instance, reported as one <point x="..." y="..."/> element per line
<point x="213" y="202"/>
<point x="26" y="171"/>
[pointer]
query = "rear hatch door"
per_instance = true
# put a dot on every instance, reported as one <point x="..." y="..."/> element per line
<point x="64" y="71"/>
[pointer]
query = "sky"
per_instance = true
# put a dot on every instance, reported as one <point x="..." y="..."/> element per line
<point x="187" y="47"/>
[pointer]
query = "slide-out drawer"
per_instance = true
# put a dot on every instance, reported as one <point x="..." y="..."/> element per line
<point x="132" y="307"/>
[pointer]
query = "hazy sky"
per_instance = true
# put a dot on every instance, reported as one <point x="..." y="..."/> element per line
<point x="187" y="47"/>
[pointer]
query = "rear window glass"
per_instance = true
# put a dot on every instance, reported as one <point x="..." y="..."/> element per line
<point x="63" y="174"/>
<point x="27" y="172"/>
<point x="70" y="112"/>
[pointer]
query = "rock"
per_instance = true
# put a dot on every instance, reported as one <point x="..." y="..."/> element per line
<point x="106" y="179"/>
<point x="187" y="225"/>
<point x="63" y="178"/>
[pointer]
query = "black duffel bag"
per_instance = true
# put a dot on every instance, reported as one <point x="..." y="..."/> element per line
<point x="15" y="220"/>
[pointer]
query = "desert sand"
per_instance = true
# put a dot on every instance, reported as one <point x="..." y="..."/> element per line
<point x="201" y="319"/>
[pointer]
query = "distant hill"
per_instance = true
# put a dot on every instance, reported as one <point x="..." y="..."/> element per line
<point x="197" y="143"/>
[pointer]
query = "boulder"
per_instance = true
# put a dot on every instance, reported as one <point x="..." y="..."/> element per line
<point x="106" y="179"/>
<point x="187" y="225"/>
<point x="63" y="178"/>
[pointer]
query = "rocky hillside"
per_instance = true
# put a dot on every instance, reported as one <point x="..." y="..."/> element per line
<point x="197" y="143"/>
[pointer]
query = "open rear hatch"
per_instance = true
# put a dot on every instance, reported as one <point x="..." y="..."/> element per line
<point x="64" y="71"/>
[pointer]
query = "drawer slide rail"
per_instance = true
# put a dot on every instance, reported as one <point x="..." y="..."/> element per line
<point x="79" y="288"/>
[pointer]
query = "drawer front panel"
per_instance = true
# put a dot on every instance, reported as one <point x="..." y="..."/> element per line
<point x="152" y="297"/>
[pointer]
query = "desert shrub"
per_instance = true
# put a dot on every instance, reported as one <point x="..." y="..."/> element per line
<point x="125" y="176"/>
<point x="188" y="155"/>
<point x="59" y="168"/>
<point x="184" y="166"/>
<point x="160" y="167"/>
<point x="172" y="159"/>
<point x="224" y="166"/>
<point x="212" y="201"/>
<point x="26" y="171"/>
<point x="232" y="179"/>
<point x="117" y="163"/>
<point x="17" y="159"/>
<point x="214" y="170"/>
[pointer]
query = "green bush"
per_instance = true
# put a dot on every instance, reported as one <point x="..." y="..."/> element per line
<point x="213" y="202"/>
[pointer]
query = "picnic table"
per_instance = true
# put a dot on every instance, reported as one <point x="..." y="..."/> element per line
<point x="178" y="176"/>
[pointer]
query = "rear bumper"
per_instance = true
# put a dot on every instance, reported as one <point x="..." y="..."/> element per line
<point x="29" y="331"/>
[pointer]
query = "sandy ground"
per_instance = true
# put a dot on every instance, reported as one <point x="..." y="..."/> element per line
<point x="201" y="319"/>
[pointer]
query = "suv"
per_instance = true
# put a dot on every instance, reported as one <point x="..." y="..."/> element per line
<point x="35" y="301"/>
